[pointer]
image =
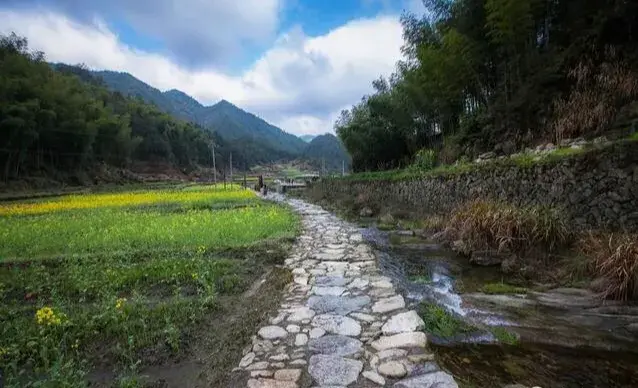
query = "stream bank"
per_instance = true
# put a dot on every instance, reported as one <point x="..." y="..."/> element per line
<point x="565" y="337"/>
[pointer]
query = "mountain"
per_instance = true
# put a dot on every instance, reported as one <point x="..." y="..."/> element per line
<point x="327" y="150"/>
<point x="251" y="136"/>
<point x="307" y="138"/>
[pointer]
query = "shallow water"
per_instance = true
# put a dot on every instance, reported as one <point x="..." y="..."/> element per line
<point x="426" y="272"/>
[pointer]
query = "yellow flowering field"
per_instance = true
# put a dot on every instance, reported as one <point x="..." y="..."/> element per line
<point x="199" y="194"/>
<point x="108" y="279"/>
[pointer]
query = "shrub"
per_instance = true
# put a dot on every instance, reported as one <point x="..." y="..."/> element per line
<point x="425" y="159"/>
<point x="494" y="226"/>
<point x="615" y="261"/>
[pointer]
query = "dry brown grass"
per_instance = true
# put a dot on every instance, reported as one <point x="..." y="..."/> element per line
<point x="495" y="226"/>
<point x="615" y="261"/>
<point x="599" y="92"/>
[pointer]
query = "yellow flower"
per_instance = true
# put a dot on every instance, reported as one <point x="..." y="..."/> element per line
<point x="201" y="249"/>
<point x="76" y="344"/>
<point x="47" y="317"/>
<point x="120" y="303"/>
<point x="194" y="276"/>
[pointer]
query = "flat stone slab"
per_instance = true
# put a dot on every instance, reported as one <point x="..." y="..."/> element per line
<point x="331" y="281"/>
<point x="272" y="332"/>
<point x="337" y="324"/>
<point x="300" y="314"/>
<point x="341" y="305"/>
<point x="389" y="304"/>
<point x="336" y="345"/>
<point x="403" y="323"/>
<point x="336" y="291"/>
<point x="268" y="383"/>
<point x="430" y="380"/>
<point x="334" y="370"/>
<point x="403" y="340"/>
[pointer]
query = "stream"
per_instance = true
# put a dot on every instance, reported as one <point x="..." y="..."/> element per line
<point x="567" y="338"/>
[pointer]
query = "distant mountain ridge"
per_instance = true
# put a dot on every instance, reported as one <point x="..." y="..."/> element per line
<point x="327" y="151"/>
<point x="253" y="134"/>
<point x="307" y="138"/>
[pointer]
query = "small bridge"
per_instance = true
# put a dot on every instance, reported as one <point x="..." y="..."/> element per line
<point x="284" y="184"/>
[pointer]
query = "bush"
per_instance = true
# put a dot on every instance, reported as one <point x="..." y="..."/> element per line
<point x="615" y="261"/>
<point x="425" y="159"/>
<point x="495" y="226"/>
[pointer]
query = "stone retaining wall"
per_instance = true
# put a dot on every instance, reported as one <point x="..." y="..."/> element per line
<point x="597" y="189"/>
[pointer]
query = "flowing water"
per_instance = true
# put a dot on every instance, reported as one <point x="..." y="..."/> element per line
<point x="584" y="346"/>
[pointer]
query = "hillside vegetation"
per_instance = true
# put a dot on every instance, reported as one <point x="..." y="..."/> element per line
<point x="253" y="140"/>
<point x="51" y="122"/>
<point x="327" y="151"/>
<point x="498" y="75"/>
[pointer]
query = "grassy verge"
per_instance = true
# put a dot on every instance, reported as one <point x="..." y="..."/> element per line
<point x="133" y="285"/>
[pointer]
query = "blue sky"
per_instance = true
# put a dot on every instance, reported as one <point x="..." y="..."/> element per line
<point x="296" y="63"/>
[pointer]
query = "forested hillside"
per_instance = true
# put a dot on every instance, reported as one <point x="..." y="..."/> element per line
<point x="327" y="151"/>
<point x="254" y="140"/>
<point x="53" y="122"/>
<point x="498" y="75"/>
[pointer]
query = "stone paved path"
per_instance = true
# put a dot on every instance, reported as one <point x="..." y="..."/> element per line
<point x="341" y="324"/>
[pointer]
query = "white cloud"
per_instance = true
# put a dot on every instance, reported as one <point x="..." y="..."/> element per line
<point x="197" y="32"/>
<point x="300" y="84"/>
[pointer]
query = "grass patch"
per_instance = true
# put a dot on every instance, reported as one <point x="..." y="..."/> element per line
<point x="442" y="323"/>
<point x="502" y="288"/>
<point x="614" y="260"/>
<point x="125" y="281"/>
<point x="504" y="336"/>
<point x="495" y="226"/>
<point x="191" y="196"/>
<point x="101" y="230"/>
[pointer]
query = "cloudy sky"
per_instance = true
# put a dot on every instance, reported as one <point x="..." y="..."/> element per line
<point x="296" y="63"/>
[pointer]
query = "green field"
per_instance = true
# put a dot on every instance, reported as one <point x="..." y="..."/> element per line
<point x="102" y="288"/>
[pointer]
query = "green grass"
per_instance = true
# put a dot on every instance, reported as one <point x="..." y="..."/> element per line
<point x="502" y="288"/>
<point x="130" y="284"/>
<point x="441" y="323"/>
<point x="95" y="231"/>
<point x="505" y="336"/>
<point x="522" y="160"/>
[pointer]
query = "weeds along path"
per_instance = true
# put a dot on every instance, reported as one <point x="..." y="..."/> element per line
<point x="341" y="324"/>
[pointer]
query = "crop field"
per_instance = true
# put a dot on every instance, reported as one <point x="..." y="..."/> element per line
<point x="127" y="289"/>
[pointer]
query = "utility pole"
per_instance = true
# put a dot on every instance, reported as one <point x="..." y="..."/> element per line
<point x="343" y="168"/>
<point x="212" y="145"/>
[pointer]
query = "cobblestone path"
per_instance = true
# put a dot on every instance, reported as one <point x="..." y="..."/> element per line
<point x="341" y="324"/>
